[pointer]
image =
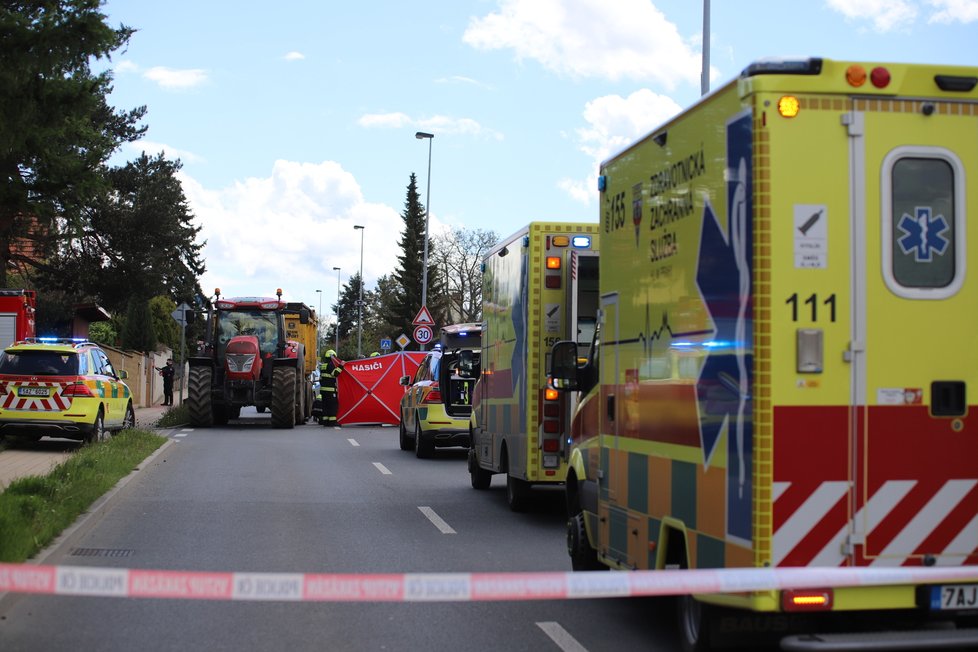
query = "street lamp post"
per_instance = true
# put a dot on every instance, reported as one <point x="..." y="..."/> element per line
<point x="360" y="302"/>
<point x="319" y="323"/>
<point x="421" y="135"/>
<point x="337" y="327"/>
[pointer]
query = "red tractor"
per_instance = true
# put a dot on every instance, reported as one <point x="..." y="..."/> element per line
<point x="247" y="360"/>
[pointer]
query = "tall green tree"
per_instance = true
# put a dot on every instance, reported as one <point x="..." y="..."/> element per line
<point x="137" y="330"/>
<point x="405" y="296"/>
<point x="141" y="240"/>
<point x="58" y="129"/>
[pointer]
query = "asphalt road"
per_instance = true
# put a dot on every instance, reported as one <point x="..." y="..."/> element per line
<point x="247" y="497"/>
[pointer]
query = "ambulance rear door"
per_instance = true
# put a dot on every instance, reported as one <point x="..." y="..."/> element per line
<point x="914" y="353"/>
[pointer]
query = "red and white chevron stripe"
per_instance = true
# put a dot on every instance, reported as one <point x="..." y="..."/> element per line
<point x="902" y="521"/>
<point x="55" y="402"/>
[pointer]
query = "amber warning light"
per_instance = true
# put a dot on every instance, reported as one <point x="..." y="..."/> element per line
<point x="788" y="106"/>
<point x="806" y="600"/>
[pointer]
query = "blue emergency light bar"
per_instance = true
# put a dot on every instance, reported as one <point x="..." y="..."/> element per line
<point x="581" y="242"/>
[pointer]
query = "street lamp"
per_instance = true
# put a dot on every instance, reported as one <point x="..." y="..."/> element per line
<point x="319" y="323"/>
<point x="421" y="135"/>
<point x="337" y="348"/>
<point x="360" y="302"/>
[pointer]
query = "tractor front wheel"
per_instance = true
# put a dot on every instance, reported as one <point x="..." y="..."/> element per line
<point x="199" y="397"/>
<point x="283" y="397"/>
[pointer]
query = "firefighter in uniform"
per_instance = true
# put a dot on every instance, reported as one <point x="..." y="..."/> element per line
<point x="328" y="372"/>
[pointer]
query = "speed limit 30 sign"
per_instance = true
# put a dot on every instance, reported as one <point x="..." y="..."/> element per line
<point x="423" y="334"/>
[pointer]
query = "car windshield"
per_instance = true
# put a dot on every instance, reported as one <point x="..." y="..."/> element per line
<point x="39" y="363"/>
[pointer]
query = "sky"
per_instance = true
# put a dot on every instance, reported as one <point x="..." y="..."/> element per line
<point x="295" y="120"/>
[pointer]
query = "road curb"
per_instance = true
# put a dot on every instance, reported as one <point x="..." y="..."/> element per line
<point x="82" y="525"/>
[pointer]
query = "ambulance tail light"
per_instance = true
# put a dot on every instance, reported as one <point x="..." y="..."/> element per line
<point x="552" y="272"/>
<point x="806" y="600"/>
<point x="434" y="396"/>
<point x="550" y="429"/>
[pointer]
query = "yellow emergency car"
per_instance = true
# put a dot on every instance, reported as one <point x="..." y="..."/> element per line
<point x="62" y="388"/>
<point x="437" y="403"/>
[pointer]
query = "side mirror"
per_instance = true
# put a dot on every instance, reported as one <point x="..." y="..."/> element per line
<point x="405" y="381"/>
<point x="123" y="375"/>
<point x="303" y="315"/>
<point x="563" y="366"/>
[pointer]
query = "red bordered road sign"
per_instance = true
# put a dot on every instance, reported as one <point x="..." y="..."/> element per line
<point x="423" y="318"/>
<point x="423" y="334"/>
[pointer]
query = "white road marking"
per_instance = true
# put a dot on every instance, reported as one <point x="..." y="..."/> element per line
<point x="353" y="442"/>
<point x="437" y="520"/>
<point x="383" y="469"/>
<point x="180" y="434"/>
<point x="561" y="637"/>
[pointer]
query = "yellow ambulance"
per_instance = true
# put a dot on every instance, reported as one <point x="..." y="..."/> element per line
<point x="785" y="346"/>
<point x="539" y="286"/>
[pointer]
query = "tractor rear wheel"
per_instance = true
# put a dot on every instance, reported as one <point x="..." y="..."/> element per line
<point x="199" y="397"/>
<point x="283" y="397"/>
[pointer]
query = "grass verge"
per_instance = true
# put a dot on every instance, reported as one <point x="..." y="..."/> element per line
<point x="35" y="510"/>
<point x="175" y="416"/>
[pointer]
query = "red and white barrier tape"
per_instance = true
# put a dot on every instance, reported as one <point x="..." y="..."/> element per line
<point x="448" y="587"/>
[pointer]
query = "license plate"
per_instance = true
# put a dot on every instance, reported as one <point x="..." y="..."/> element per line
<point x="34" y="391"/>
<point x="954" y="596"/>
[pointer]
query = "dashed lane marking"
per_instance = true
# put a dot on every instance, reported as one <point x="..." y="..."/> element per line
<point x="437" y="520"/>
<point x="383" y="469"/>
<point x="561" y="637"/>
<point x="353" y="442"/>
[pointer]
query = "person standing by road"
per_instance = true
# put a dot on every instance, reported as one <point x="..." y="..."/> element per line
<point x="328" y="372"/>
<point x="167" y="373"/>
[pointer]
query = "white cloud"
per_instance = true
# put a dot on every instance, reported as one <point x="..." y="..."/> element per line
<point x="126" y="66"/>
<point x="153" y="148"/>
<point x="886" y="15"/>
<point x="614" y="123"/>
<point x="459" y="79"/>
<point x="294" y="56"/>
<point x="289" y="230"/>
<point x="384" y="120"/>
<point x="438" y="124"/>
<point x="949" y="11"/>
<point x="176" y="79"/>
<point x="590" y="38"/>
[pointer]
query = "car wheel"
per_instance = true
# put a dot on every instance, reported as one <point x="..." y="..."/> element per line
<point x="130" y="420"/>
<point x="583" y="556"/>
<point x="481" y="479"/>
<point x="694" y="618"/>
<point x="517" y="493"/>
<point x="422" y="447"/>
<point x="98" y="429"/>
<point x="405" y="441"/>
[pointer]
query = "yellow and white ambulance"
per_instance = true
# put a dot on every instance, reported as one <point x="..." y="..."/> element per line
<point x="789" y="299"/>
<point x="539" y="286"/>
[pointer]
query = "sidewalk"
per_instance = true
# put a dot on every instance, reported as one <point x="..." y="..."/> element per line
<point x="40" y="458"/>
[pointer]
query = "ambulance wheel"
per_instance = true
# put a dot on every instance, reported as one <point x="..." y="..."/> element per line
<point x="694" y="618"/>
<point x="481" y="479"/>
<point x="404" y="440"/>
<point x="517" y="493"/>
<point x="583" y="556"/>
<point x="129" y="421"/>
<point x="422" y="448"/>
